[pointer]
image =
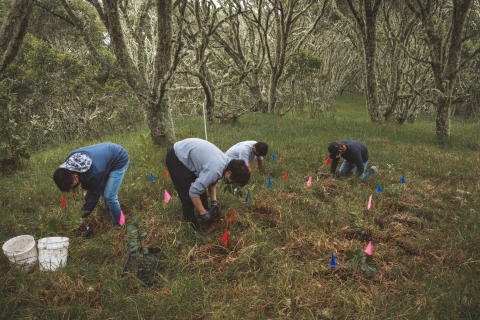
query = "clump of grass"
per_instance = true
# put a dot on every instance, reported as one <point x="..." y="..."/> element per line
<point x="276" y="264"/>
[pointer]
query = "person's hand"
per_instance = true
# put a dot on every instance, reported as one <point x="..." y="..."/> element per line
<point x="85" y="195"/>
<point x="363" y="176"/>
<point x="206" y="218"/>
<point x="84" y="230"/>
<point x="213" y="207"/>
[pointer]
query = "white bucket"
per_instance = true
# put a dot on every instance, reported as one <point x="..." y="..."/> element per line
<point x="52" y="253"/>
<point x="21" y="252"/>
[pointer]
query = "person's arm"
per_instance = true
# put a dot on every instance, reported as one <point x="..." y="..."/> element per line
<point x="212" y="192"/>
<point x="260" y="164"/>
<point x="92" y="196"/>
<point x="333" y="165"/>
<point x="198" y="205"/>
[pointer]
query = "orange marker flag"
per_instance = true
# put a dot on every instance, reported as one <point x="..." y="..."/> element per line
<point x="328" y="160"/>
<point x="285" y="177"/>
<point x="165" y="174"/>
<point x="232" y="218"/>
<point x="225" y="238"/>
<point x="64" y="201"/>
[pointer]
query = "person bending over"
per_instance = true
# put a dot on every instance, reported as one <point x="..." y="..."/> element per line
<point x="99" y="169"/>
<point x="247" y="151"/>
<point x="196" y="165"/>
<point x="355" y="156"/>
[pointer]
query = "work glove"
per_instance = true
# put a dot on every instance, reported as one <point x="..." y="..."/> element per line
<point x="363" y="176"/>
<point x="84" y="230"/>
<point x="206" y="219"/>
<point x="213" y="208"/>
<point x="332" y="175"/>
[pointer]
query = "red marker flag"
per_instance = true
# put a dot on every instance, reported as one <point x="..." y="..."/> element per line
<point x="285" y="177"/>
<point x="165" y="174"/>
<point x="249" y="167"/>
<point x="64" y="201"/>
<point x="328" y="160"/>
<point x="225" y="238"/>
<point x="232" y="218"/>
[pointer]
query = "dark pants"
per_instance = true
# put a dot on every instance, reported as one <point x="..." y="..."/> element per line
<point x="182" y="178"/>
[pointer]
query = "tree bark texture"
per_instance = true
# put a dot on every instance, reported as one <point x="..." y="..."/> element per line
<point x="445" y="55"/>
<point x="153" y="97"/>
<point x="13" y="31"/>
<point x="366" y="18"/>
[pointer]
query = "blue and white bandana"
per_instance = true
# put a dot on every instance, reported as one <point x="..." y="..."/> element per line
<point x="78" y="162"/>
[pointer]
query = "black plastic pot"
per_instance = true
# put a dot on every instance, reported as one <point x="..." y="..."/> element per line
<point x="145" y="267"/>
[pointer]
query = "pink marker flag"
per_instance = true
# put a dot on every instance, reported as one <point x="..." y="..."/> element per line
<point x="166" y="197"/>
<point x="369" y="205"/>
<point x="368" y="249"/>
<point x="309" y="182"/>
<point x="122" y="218"/>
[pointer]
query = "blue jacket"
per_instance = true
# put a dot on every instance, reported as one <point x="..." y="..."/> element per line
<point x="106" y="157"/>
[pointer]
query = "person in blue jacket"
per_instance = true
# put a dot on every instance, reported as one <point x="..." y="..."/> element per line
<point x="355" y="155"/>
<point x="195" y="166"/>
<point x="99" y="169"/>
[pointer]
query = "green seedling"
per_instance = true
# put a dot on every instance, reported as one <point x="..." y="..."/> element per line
<point x="359" y="258"/>
<point x="357" y="222"/>
<point x="136" y="242"/>
<point x="238" y="191"/>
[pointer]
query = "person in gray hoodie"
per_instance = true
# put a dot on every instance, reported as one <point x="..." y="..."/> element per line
<point x="196" y="165"/>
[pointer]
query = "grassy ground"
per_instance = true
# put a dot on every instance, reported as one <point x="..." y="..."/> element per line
<point x="277" y="263"/>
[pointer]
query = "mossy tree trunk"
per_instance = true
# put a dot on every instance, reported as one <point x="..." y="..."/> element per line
<point x="13" y="31"/>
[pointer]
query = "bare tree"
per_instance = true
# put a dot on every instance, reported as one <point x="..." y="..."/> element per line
<point x="443" y="25"/>
<point x="13" y="30"/>
<point x="142" y="37"/>
<point x="241" y="41"/>
<point x="283" y="29"/>
<point x="402" y="80"/>
<point x="365" y="15"/>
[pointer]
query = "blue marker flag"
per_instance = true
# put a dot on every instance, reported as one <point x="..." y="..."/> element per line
<point x="273" y="156"/>
<point x="333" y="263"/>
<point x="248" y="195"/>
<point x="379" y="189"/>
<point x="402" y="179"/>
<point x="151" y="176"/>
<point x="269" y="182"/>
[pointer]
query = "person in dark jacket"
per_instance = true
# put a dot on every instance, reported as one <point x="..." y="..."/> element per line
<point x="195" y="166"/>
<point x="99" y="169"/>
<point x="355" y="155"/>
